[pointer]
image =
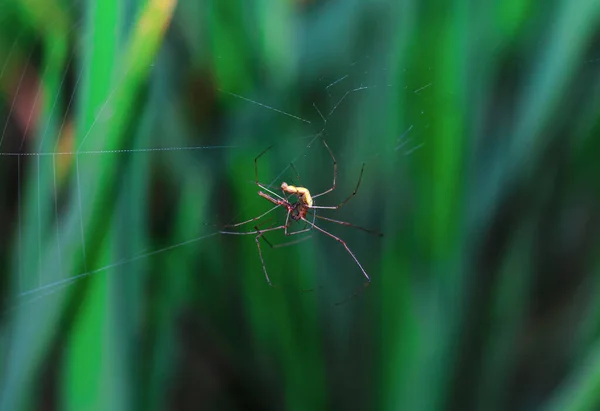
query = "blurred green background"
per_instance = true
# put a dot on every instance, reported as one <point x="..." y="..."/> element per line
<point x="129" y="132"/>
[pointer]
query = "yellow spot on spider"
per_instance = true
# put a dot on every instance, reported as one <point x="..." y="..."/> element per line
<point x="302" y="193"/>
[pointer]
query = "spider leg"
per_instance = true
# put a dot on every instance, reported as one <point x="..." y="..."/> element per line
<point x="347" y="198"/>
<point x="262" y="186"/>
<point x="256" y="163"/>
<point x="345" y="246"/>
<point x="262" y="261"/>
<point x="270" y="244"/>
<point x="252" y="219"/>
<point x="354" y="294"/>
<point x="267" y="189"/>
<point x="334" y="171"/>
<point x="377" y="233"/>
<point x="367" y="283"/>
<point x="264" y="223"/>
<point x="259" y="234"/>
<point x="301" y="231"/>
<point x="306" y="226"/>
<point x="278" y="203"/>
<point x="287" y="233"/>
<point x="287" y="223"/>
<point x="279" y="227"/>
<point x="295" y="171"/>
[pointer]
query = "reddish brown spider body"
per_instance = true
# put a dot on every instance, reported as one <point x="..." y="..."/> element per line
<point x="298" y="212"/>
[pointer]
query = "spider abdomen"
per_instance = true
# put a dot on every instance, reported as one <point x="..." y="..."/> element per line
<point x="302" y="193"/>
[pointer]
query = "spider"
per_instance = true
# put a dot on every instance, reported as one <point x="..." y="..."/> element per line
<point x="298" y="210"/>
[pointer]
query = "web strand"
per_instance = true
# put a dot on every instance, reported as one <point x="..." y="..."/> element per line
<point x="56" y="216"/>
<point x="71" y="280"/>
<point x="52" y="287"/>
<point x="39" y="216"/>
<point x="264" y="105"/>
<point x="118" y="151"/>
<point x="80" y="213"/>
<point x="20" y="224"/>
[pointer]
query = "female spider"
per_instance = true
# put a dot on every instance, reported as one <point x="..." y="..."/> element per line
<point x="298" y="211"/>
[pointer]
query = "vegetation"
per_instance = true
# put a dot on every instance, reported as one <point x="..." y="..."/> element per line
<point x="130" y="130"/>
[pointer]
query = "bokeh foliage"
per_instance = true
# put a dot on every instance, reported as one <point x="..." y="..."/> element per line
<point x="129" y="134"/>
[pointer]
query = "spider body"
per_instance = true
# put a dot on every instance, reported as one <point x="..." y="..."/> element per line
<point x="298" y="211"/>
<point x="302" y="193"/>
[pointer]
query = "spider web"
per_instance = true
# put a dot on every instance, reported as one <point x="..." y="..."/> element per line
<point x="47" y="164"/>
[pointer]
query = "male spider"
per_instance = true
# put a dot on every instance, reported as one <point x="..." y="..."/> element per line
<point x="298" y="210"/>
